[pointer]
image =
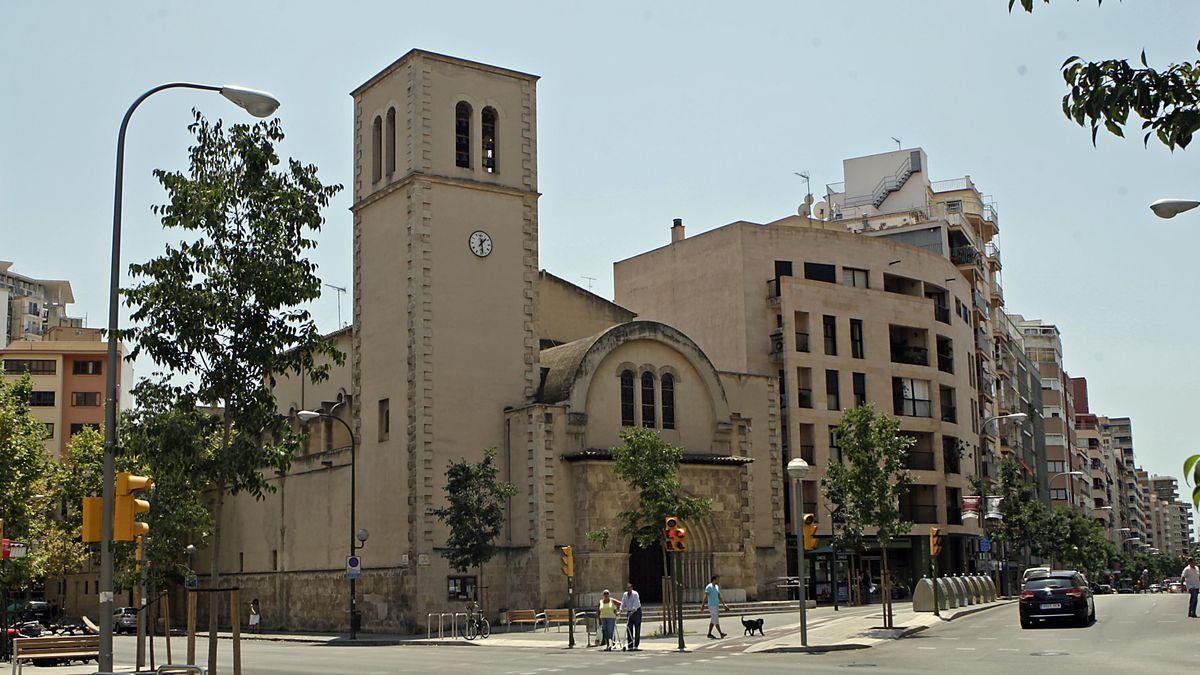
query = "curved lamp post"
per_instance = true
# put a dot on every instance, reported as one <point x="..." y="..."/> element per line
<point x="257" y="103"/>
<point x="798" y="469"/>
<point x="1169" y="208"/>
<point x="1065" y="473"/>
<point x="308" y="416"/>
<point x="1021" y="417"/>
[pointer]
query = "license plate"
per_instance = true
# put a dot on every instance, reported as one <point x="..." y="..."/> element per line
<point x="1052" y="605"/>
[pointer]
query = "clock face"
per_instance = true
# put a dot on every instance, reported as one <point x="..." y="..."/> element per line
<point x="480" y="243"/>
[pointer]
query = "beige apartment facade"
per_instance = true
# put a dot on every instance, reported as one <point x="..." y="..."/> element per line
<point x="30" y="307"/>
<point x="839" y="320"/>
<point x="461" y="343"/>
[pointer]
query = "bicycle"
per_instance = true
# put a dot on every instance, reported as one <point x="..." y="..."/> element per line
<point x="476" y="625"/>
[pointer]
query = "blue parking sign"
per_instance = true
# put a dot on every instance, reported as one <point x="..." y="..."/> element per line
<point x="353" y="567"/>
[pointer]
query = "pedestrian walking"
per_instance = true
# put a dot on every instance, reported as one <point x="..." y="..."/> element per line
<point x="631" y="604"/>
<point x="1190" y="576"/>
<point x="712" y="596"/>
<point x="865" y="585"/>
<point x="255" y="616"/>
<point x="608" y="619"/>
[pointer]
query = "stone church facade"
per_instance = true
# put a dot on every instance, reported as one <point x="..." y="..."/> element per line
<point x="461" y="343"/>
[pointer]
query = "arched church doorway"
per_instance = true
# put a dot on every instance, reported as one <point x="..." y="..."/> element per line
<point x="646" y="571"/>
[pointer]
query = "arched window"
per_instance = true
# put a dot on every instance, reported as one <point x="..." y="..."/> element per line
<point x="377" y="150"/>
<point x="627" y="398"/>
<point x="462" y="135"/>
<point x="487" y="126"/>
<point x="668" y="401"/>
<point x="648" y="400"/>
<point x="390" y="143"/>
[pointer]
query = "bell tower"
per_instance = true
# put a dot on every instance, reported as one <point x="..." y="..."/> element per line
<point x="445" y="267"/>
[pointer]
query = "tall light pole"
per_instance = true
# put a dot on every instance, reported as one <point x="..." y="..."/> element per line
<point x="798" y="469"/>
<point x="308" y="416"/>
<point x="983" y="483"/>
<point x="257" y="103"/>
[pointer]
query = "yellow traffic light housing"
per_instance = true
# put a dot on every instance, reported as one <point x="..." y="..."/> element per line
<point x="935" y="541"/>
<point x="568" y="561"/>
<point x="93" y="513"/>
<point x="810" y="532"/>
<point x="127" y="506"/>
<point x="128" y="483"/>
<point x="675" y="535"/>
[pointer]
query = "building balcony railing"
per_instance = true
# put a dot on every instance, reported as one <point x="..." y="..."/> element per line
<point x="919" y="513"/>
<point x="801" y="341"/>
<point x="964" y="255"/>
<point x="916" y="356"/>
<point x="941" y="313"/>
<point x="913" y="407"/>
<point x="950" y="414"/>
<point x="951" y="461"/>
<point x="805" y="398"/>
<point x="773" y="288"/>
<point x="920" y="461"/>
<point x="945" y="363"/>
<point x="777" y="345"/>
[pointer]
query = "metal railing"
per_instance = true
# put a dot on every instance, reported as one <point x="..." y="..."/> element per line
<point x="910" y="354"/>
<point x="910" y="407"/>
<point x="885" y="186"/>
<point x="946" y="363"/>
<point x="920" y="461"/>
<point x="964" y="255"/>
<point x="454" y="632"/>
<point x="919" y="513"/>
<point x="950" y="414"/>
<point x="941" y="313"/>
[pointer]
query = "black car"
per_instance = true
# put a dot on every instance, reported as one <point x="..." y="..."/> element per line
<point x="38" y="610"/>
<point x="1063" y="594"/>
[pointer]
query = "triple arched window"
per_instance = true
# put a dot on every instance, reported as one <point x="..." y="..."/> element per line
<point x="383" y="145"/>
<point x="649" y="399"/>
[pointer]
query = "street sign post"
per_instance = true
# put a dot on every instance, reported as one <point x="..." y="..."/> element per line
<point x="353" y="567"/>
<point x="985" y="545"/>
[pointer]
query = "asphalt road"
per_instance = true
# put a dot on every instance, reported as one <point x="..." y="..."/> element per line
<point x="1132" y="634"/>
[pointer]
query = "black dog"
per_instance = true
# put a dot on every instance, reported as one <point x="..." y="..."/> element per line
<point x="753" y="625"/>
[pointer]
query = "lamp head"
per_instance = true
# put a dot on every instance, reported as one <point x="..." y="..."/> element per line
<point x="363" y="535"/>
<point x="253" y="101"/>
<point x="1169" y="208"/>
<point x="798" y="468"/>
<point x="307" y="415"/>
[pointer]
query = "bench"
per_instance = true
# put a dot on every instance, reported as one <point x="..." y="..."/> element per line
<point x="72" y="648"/>
<point x="560" y="617"/>
<point x="524" y="616"/>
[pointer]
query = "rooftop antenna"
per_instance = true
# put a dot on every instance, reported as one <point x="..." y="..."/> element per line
<point x="340" y="291"/>
<point x="898" y="146"/>
<point x="589" y="280"/>
<point x="807" y="181"/>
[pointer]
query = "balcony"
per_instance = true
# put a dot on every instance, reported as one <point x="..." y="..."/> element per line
<point x="964" y="255"/>
<point x="801" y="342"/>
<point x="919" y="513"/>
<point x="912" y="355"/>
<point x="773" y="289"/>
<point x="997" y="293"/>
<point x="950" y="414"/>
<point x="913" y="407"/>
<point x="945" y="362"/>
<point x="920" y="461"/>
<point x="941" y="313"/>
<point x="777" y="345"/>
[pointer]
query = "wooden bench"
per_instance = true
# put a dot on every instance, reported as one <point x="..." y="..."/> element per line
<point x="560" y="617"/>
<point x="66" y="648"/>
<point x="530" y="616"/>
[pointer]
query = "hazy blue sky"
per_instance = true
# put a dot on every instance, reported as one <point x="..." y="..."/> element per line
<point x="697" y="110"/>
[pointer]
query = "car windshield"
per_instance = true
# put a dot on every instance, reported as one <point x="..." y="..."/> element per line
<point x="1053" y="582"/>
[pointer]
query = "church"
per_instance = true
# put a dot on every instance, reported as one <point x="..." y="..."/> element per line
<point x="460" y="343"/>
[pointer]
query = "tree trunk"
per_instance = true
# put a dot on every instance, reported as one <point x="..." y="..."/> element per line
<point x="214" y="597"/>
<point x="885" y="591"/>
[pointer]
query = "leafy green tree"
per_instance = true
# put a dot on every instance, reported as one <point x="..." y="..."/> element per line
<point x="1077" y="541"/>
<point x="1022" y="529"/>
<point x="24" y="472"/>
<point x="869" y="481"/>
<point x="1191" y="472"/>
<point x="1104" y="93"/>
<point x="475" y="499"/>
<point x="223" y="307"/>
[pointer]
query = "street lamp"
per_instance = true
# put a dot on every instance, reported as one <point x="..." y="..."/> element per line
<point x="1021" y="417"/>
<point x="257" y="103"/>
<point x="1065" y="473"/>
<point x="308" y="416"/>
<point x="1169" y="208"/>
<point x="798" y="469"/>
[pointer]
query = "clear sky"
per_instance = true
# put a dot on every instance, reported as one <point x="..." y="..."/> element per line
<point x="650" y="111"/>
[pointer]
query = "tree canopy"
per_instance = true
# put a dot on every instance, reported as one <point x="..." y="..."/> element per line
<point x="649" y="467"/>
<point x="475" y="510"/>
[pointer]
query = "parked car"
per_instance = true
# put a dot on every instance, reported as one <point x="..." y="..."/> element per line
<point x="1061" y="594"/>
<point x="1155" y="588"/>
<point x="38" y="610"/>
<point x="1175" y="587"/>
<point x="1125" y="586"/>
<point x="125" y="620"/>
<point x="1034" y="573"/>
<point x="1104" y="589"/>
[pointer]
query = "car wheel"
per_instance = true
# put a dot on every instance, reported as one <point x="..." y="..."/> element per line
<point x="1082" y="619"/>
<point x="1026" y="623"/>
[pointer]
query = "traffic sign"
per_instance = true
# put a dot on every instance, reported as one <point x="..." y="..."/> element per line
<point x="191" y="582"/>
<point x="985" y="545"/>
<point x="353" y="567"/>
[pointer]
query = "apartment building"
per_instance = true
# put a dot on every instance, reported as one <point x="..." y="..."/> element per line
<point x="1019" y="390"/>
<point x="1176" y="515"/>
<point x="30" y="307"/>
<point x="66" y="365"/>
<point x="840" y="320"/>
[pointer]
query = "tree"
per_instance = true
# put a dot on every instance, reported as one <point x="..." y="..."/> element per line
<point x="475" y="512"/>
<point x="1105" y="92"/>
<point x="1077" y="541"/>
<point x="24" y="472"/>
<point x="222" y="308"/>
<point x="869" y="481"/>
<point x="649" y="467"/>
<point x="1191" y="473"/>
<point x="1022" y="529"/>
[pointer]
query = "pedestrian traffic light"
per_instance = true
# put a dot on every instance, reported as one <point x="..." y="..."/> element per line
<point x="125" y="523"/>
<point x="93" y="513"/>
<point x="675" y="535"/>
<point x="935" y="541"/>
<point x="810" y="532"/>
<point x="568" y="561"/>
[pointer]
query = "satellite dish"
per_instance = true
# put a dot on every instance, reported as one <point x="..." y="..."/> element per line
<point x="805" y="208"/>
<point x="820" y="210"/>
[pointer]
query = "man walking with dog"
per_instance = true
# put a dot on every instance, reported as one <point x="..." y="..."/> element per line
<point x="712" y="594"/>
<point x="631" y="602"/>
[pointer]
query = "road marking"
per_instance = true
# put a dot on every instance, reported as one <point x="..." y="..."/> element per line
<point x="964" y="649"/>
<point x="1008" y="649"/>
<point x="927" y="648"/>
<point x="983" y="638"/>
<point x="1169" y="621"/>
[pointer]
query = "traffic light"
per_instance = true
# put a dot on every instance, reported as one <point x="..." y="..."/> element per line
<point x="125" y="523"/>
<point x="568" y="561"/>
<point x="935" y="541"/>
<point x="810" y="532"/>
<point x="675" y="535"/>
<point x="93" y="513"/>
